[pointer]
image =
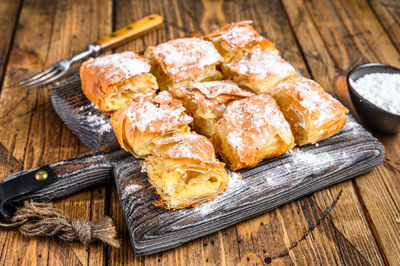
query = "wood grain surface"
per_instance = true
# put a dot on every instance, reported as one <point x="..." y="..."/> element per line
<point x="355" y="222"/>
<point x="264" y="187"/>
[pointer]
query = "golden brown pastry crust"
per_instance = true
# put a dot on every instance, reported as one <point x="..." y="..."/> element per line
<point x="185" y="172"/>
<point x="259" y="71"/>
<point x="251" y="130"/>
<point x="103" y="75"/>
<point x="206" y="101"/>
<point x="139" y="123"/>
<point x="312" y="113"/>
<point x="182" y="61"/>
<point x="236" y="38"/>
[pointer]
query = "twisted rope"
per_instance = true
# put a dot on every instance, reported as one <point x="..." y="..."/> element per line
<point x="44" y="220"/>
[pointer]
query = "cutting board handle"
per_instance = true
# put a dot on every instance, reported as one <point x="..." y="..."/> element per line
<point x="57" y="180"/>
<point x="133" y="30"/>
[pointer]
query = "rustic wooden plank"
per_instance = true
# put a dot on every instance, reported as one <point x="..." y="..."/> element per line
<point x="213" y="16"/>
<point x="210" y="253"/>
<point x="47" y="31"/>
<point x="179" y="254"/>
<point x="9" y="11"/>
<point x="338" y="39"/>
<point x="388" y="13"/>
<point x="265" y="187"/>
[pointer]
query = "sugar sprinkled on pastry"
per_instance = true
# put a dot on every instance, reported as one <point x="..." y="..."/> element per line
<point x="110" y="80"/>
<point x="236" y="38"/>
<point x="184" y="171"/>
<point x="312" y="113"/>
<point x="140" y="123"/>
<point x="182" y="61"/>
<point x="251" y="130"/>
<point x="259" y="71"/>
<point x="206" y="101"/>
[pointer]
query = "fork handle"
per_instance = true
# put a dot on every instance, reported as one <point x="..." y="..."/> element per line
<point x="133" y="30"/>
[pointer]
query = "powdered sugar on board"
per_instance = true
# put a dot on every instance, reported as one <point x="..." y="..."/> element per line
<point x="130" y="189"/>
<point x="90" y="117"/>
<point x="235" y="182"/>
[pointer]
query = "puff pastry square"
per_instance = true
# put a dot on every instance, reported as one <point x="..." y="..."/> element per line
<point x="140" y="123"/>
<point x="110" y="80"/>
<point x="259" y="71"/>
<point x="251" y="130"/>
<point x="236" y="38"/>
<point x="206" y="102"/>
<point x="312" y="113"/>
<point x="182" y="61"/>
<point x="184" y="171"/>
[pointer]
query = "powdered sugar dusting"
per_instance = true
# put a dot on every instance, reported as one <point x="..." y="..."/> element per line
<point x="236" y="35"/>
<point x="261" y="64"/>
<point x="320" y="105"/>
<point x="251" y="121"/>
<point x="143" y="168"/>
<point x="94" y="119"/>
<point x="212" y="89"/>
<point x="381" y="89"/>
<point x="97" y="122"/>
<point x="235" y="182"/>
<point x="310" y="160"/>
<point x="356" y="128"/>
<point x="210" y="94"/>
<point x="130" y="189"/>
<point x="161" y="114"/>
<point x="127" y="63"/>
<point x="180" y="56"/>
<point x="190" y="145"/>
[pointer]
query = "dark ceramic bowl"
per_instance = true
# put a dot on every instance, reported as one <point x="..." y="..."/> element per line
<point x="373" y="117"/>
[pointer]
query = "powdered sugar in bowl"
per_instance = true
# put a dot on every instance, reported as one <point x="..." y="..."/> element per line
<point x="375" y="92"/>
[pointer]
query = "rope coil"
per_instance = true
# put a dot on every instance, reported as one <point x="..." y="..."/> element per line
<point x="44" y="220"/>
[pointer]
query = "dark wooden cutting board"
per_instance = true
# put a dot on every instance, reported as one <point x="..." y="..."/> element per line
<point x="264" y="187"/>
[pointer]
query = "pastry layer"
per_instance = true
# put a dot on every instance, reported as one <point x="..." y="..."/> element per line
<point x="184" y="171"/>
<point x="183" y="61"/>
<point x="140" y="123"/>
<point x="206" y="101"/>
<point x="236" y="38"/>
<point x="110" y="80"/>
<point x="251" y="130"/>
<point x="312" y="113"/>
<point x="259" y="71"/>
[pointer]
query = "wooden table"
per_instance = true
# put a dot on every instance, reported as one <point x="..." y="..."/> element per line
<point x="355" y="222"/>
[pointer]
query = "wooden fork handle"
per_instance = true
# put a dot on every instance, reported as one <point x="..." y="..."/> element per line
<point x="133" y="30"/>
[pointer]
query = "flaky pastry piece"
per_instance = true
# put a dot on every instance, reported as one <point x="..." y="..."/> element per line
<point x="180" y="62"/>
<point x="259" y="71"/>
<point x="140" y="123"/>
<point x="110" y="80"/>
<point x="312" y="113"/>
<point x="206" y="101"/>
<point x="236" y="38"/>
<point x="251" y="130"/>
<point x="185" y="172"/>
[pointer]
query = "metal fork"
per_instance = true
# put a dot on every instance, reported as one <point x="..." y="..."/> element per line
<point x="60" y="68"/>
